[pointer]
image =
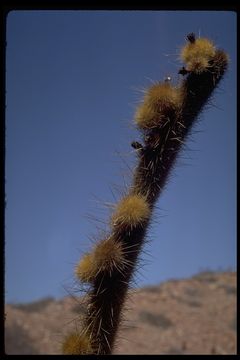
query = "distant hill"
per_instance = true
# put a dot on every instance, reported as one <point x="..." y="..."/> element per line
<point x="189" y="316"/>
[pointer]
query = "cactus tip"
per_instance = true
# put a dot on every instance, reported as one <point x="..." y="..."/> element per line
<point x="197" y="54"/>
<point x="108" y="255"/>
<point x="77" y="344"/>
<point x="131" y="211"/>
<point x="159" y="101"/>
<point x="85" y="270"/>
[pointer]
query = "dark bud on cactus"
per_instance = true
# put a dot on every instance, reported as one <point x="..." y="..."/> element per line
<point x="191" y="38"/>
<point x="183" y="71"/>
<point x="136" y="145"/>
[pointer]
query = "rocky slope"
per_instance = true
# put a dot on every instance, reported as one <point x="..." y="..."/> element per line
<point x="189" y="316"/>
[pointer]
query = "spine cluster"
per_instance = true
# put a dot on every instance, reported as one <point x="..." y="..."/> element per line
<point x="164" y="118"/>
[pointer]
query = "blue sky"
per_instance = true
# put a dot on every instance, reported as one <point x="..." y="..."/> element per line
<point x="73" y="81"/>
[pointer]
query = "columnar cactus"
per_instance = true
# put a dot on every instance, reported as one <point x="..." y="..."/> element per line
<point x="164" y="118"/>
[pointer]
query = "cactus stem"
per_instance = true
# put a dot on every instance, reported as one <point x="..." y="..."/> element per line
<point x="165" y="117"/>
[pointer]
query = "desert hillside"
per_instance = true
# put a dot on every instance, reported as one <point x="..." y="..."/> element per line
<point x="189" y="316"/>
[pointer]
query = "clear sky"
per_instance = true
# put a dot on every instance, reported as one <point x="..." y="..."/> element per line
<point x="73" y="83"/>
